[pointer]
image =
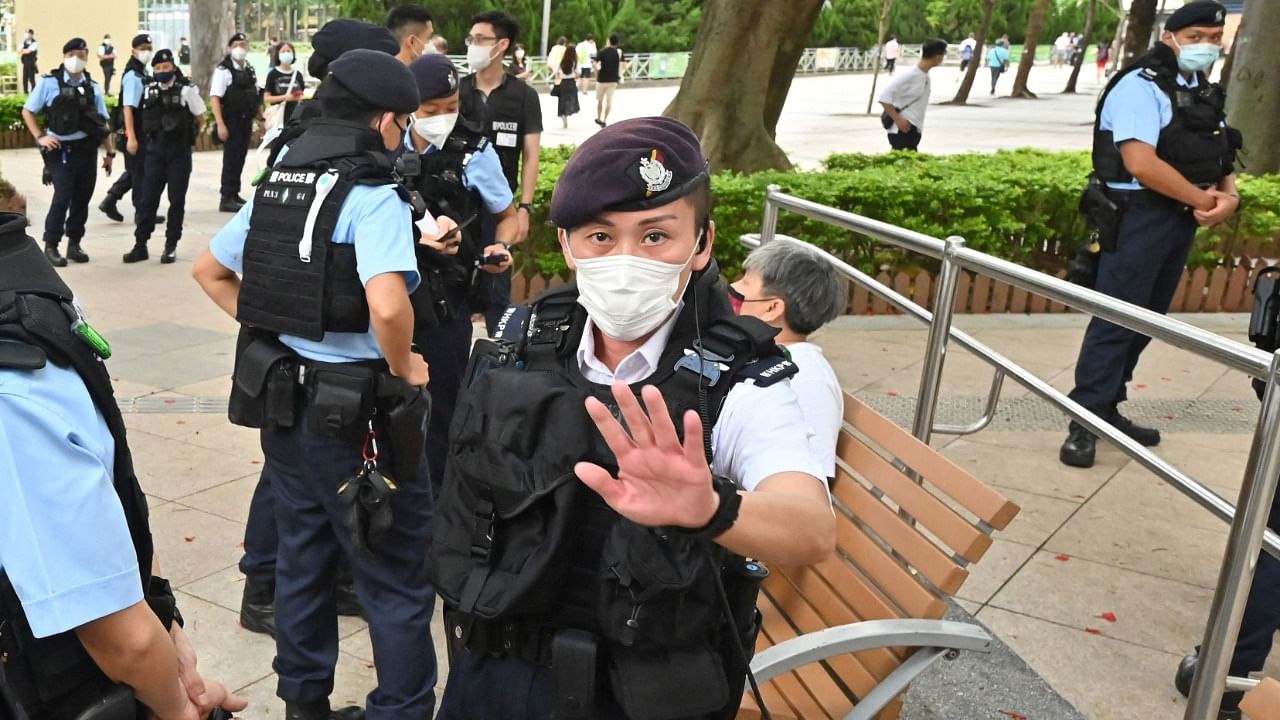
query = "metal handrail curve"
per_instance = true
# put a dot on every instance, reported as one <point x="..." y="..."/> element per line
<point x="1249" y="533"/>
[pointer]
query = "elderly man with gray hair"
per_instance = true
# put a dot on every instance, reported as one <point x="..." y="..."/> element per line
<point x="791" y="287"/>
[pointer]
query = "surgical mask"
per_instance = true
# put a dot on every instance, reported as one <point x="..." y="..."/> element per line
<point x="164" y="78"/>
<point x="626" y="296"/>
<point x="1197" y="58"/>
<point x="239" y="54"/>
<point x="144" y="56"/>
<point x="435" y="129"/>
<point x="286" y="58"/>
<point x="73" y="64"/>
<point x="479" y="57"/>
<point x="519" y="54"/>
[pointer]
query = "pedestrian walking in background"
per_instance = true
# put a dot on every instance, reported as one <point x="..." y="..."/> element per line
<point x="967" y="47"/>
<point x="609" y="68"/>
<point x="998" y="61"/>
<point x="892" y="50"/>
<point x="1104" y="57"/>
<point x="565" y="89"/>
<point x="586" y="56"/>
<point x="519" y="66"/>
<point x="285" y="86"/>
<point x="907" y="97"/>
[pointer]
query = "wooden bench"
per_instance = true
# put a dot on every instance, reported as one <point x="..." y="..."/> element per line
<point x="844" y="638"/>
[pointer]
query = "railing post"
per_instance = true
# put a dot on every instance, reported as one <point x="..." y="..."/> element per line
<point x="944" y="301"/>
<point x="1241" y="558"/>
<point x="769" y="226"/>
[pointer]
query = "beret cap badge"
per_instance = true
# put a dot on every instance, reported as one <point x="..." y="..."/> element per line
<point x="655" y="175"/>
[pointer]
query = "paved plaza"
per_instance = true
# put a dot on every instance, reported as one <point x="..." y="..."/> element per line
<point x="1088" y="546"/>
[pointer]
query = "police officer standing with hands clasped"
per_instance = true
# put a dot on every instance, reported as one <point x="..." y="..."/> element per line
<point x="236" y="100"/>
<point x="549" y="498"/>
<point x="1162" y="166"/>
<point x="325" y="256"/>
<point x="75" y="123"/>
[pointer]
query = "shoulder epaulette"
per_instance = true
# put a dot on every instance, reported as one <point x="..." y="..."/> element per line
<point x="511" y="326"/>
<point x="767" y="371"/>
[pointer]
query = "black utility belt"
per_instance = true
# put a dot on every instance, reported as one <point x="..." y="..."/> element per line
<point x="1145" y="198"/>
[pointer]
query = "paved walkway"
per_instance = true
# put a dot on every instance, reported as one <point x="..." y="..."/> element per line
<point x="1111" y="539"/>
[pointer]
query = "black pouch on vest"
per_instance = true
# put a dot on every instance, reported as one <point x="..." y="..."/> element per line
<point x="408" y="411"/>
<point x="264" y="384"/>
<point x="342" y="401"/>
<point x="1102" y="212"/>
<point x="659" y="589"/>
<point x="573" y="674"/>
<point x="667" y="684"/>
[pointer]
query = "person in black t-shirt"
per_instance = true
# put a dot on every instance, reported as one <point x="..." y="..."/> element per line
<point x="609" y="65"/>
<point x="509" y="113"/>
<point x="284" y="84"/>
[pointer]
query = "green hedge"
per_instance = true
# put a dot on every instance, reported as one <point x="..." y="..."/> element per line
<point x="1019" y="205"/>
<point x="11" y="110"/>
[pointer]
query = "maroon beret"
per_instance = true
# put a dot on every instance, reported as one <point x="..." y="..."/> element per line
<point x="631" y="165"/>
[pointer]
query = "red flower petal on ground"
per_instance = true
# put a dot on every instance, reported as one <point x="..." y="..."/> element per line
<point x="1108" y="616"/>
<point x="1093" y="631"/>
<point x="1166" y="417"/>
<point x="255" y="462"/>
<point x="1013" y="715"/>
<point x="1140" y="386"/>
<point x="182" y="422"/>
<point x="1165" y="378"/>
<point x="1237" y="408"/>
<point x="1062" y="558"/>
<point x="189" y="538"/>
<point x="892" y="393"/>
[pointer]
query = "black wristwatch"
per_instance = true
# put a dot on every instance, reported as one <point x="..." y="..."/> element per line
<point x="525" y="206"/>
<point x="725" y="515"/>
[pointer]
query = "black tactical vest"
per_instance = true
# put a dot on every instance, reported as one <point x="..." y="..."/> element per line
<point x="165" y="118"/>
<point x="1196" y="142"/>
<point x="520" y="541"/>
<point x="296" y="281"/>
<point x="75" y="109"/>
<point x="242" y="96"/>
<point x="52" y="676"/>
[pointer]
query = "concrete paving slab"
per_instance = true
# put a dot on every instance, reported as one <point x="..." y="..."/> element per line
<point x="1040" y="518"/>
<point x="1136" y="492"/>
<point x="227" y="652"/>
<point x="172" y="469"/>
<point x="229" y="500"/>
<point x="1022" y="465"/>
<point x="214" y="542"/>
<point x="352" y="682"/>
<point x="1003" y="561"/>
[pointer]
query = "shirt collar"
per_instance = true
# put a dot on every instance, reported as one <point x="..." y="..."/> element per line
<point x="637" y="366"/>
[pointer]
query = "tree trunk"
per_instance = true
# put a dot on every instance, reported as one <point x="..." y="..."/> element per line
<point x="885" y="7"/>
<point x="1085" y="37"/>
<point x="1254" y="101"/>
<point x="1035" y="24"/>
<point x="212" y="22"/>
<point x="1142" y="18"/>
<point x="737" y="81"/>
<point x="962" y="95"/>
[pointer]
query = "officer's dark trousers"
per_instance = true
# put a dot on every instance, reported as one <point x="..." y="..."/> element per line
<point x="107" y="73"/>
<point x="1261" y="618"/>
<point x="74" y="176"/>
<point x="239" y="128"/>
<point x="1144" y="269"/>
<point x="30" y="76"/>
<point x="260" y="537"/>
<point x="305" y="471"/>
<point x="446" y="349"/>
<point x="132" y="177"/>
<point x="164" y="164"/>
<point x="905" y="141"/>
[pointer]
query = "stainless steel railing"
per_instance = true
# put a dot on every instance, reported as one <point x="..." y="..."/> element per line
<point x="1248" y="518"/>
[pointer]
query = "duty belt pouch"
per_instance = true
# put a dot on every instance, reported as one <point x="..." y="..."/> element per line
<point x="664" y="684"/>
<point x="1265" y="315"/>
<point x="573" y="674"/>
<point x="342" y="400"/>
<point x="264" y="386"/>
<point x="407" y="410"/>
<point x="1102" y="212"/>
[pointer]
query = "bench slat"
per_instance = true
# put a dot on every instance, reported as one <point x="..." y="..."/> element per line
<point x="889" y="575"/>
<point x="840" y="593"/>
<point x="797" y="696"/>
<point x="915" y="548"/>
<point x="951" y="528"/>
<point x="977" y="497"/>
<point x="819" y="686"/>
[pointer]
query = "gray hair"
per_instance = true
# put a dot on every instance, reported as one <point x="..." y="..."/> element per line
<point x="802" y="278"/>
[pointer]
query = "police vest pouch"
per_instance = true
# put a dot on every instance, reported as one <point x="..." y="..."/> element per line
<point x="342" y="398"/>
<point x="665" y="684"/>
<point x="574" y="665"/>
<point x="118" y="703"/>
<point x="264" y="384"/>
<point x="1102" y="212"/>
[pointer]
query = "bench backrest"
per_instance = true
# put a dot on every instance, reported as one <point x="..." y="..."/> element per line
<point x="903" y="546"/>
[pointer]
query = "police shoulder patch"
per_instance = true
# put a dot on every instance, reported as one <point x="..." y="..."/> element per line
<point x="511" y="326"/>
<point x="767" y="371"/>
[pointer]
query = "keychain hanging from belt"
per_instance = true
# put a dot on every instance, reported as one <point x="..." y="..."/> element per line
<point x="367" y="497"/>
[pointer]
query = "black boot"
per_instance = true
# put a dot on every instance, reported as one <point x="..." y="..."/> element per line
<point x="1230" y="707"/>
<point x="55" y="257"/>
<point x="258" y="611"/>
<point x="1146" y="437"/>
<point x="230" y="204"/>
<point x="319" y="710"/>
<point x="74" y="253"/>
<point x="137" y="254"/>
<point x="1079" y="448"/>
<point x="108" y="208"/>
<point x="344" y="595"/>
<point x="170" y="253"/>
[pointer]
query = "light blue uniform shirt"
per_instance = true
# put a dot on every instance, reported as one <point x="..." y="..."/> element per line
<point x="380" y="224"/>
<point x="483" y="175"/>
<point x="64" y="541"/>
<point x="1137" y="109"/>
<point x="131" y="89"/>
<point x="47" y="91"/>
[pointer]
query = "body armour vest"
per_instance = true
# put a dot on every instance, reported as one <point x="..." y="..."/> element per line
<point x="75" y="109"/>
<point x="296" y="280"/>
<point x="242" y="96"/>
<point x="1196" y="142"/>
<point x="165" y="118"/>
<point x="520" y="541"/>
<point x="53" y="675"/>
<point x="117" y="112"/>
<point x="452" y="284"/>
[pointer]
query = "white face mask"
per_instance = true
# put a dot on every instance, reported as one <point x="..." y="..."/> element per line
<point x="73" y="64"/>
<point x="435" y="129"/>
<point x="479" y="57"/>
<point x="626" y="296"/>
<point x="144" y="56"/>
<point x="239" y="54"/>
<point x="286" y="58"/>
